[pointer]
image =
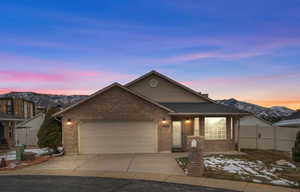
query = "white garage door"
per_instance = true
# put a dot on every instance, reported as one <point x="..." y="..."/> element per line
<point x="97" y="137"/>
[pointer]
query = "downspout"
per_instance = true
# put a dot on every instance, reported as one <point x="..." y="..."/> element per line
<point x="239" y="135"/>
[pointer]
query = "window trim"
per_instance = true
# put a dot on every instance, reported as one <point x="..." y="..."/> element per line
<point x="225" y="130"/>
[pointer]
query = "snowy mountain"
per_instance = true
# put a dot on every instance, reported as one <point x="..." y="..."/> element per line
<point x="271" y="114"/>
<point x="46" y="100"/>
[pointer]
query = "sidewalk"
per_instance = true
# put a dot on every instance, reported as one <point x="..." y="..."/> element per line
<point x="201" y="181"/>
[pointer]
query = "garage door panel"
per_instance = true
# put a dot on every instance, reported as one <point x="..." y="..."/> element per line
<point x="117" y="137"/>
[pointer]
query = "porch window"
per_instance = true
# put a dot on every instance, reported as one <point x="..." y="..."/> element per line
<point x="215" y="128"/>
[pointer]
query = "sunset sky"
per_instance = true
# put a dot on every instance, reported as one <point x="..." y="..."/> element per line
<point x="248" y="50"/>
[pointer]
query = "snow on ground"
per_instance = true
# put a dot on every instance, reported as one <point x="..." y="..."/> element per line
<point x="12" y="154"/>
<point x="255" y="170"/>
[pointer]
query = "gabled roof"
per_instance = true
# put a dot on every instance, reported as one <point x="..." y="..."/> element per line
<point x="258" y="118"/>
<point x="202" y="108"/>
<point x="172" y="82"/>
<point x="14" y="98"/>
<point x="290" y="121"/>
<point x="107" y="88"/>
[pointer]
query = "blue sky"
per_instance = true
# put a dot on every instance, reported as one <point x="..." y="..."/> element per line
<point x="249" y="50"/>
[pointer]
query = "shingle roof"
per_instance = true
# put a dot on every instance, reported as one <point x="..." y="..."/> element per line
<point x="203" y="108"/>
<point x="295" y="115"/>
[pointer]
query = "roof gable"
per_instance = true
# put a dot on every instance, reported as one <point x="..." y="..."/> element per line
<point x="171" y="81"/>
<point x="106" y="89"/>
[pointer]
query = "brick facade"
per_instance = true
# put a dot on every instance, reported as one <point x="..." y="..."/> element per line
<point x="209" y="145"/>
<point x="115" y="104"/>
<point x="218" y="145"/>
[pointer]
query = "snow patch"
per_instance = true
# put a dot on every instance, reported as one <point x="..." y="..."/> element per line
<point x="256" y="170"/>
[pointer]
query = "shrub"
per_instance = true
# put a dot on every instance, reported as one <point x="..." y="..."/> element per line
<point x="296" y="149"/>
<point x="50" y="133"/>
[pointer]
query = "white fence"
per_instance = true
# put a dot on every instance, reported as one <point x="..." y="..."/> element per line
<point x="267" y="137"/>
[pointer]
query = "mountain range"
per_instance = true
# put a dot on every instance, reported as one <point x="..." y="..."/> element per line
<point x="271" y="114"/>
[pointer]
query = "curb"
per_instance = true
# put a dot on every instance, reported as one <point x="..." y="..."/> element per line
<point x="178" y="179"/>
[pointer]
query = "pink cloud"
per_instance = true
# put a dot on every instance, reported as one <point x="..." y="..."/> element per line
<point x="18" y="76"/>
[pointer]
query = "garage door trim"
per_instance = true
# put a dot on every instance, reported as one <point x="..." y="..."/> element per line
<point x="149" y="148"/>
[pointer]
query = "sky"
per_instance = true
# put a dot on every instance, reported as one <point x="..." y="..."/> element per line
<point x="247" y="50"/>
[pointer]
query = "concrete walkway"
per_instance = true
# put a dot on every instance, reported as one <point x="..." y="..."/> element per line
<point x="179" y="179"/>
<point x="146" y="163"/>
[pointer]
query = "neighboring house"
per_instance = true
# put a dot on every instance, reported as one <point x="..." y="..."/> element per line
<point x="291" y="121"/>
<point x="148" y="115"/>
<point x="256" y="133"/>
<point x="7" y="125"/>
<point x="17" y="107"/>
<point x="289" y="127"/>
<point x="26" y="132"/>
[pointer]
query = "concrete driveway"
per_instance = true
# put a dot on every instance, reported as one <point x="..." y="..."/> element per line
<point x="147" y="163"/>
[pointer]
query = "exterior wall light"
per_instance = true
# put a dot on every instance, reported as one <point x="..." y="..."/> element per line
<point x="188" y="121"/>
<point x="69" y="122"/>
<point x="164" y="121"/>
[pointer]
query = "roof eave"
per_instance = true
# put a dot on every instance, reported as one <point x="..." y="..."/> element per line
<point x="179" y="114"/>
<point x="288" y="123"/>
<point x="172" y="81"/>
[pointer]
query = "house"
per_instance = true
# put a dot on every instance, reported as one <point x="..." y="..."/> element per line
<point x="291" y="121"/>
<point x="26" y="131"/>
<point x="151" y="114"/>
<point x="257" y="133"/>
<point x="7" y="125"/>
<point x="19" y="108"/>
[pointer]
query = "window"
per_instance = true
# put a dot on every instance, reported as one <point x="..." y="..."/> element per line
<point x="9" y="108"/>
<point x="215" y="128"/>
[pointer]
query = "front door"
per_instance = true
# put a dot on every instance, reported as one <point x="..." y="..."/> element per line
<point x="177" y="134"/>
<point x="1" y="131"/>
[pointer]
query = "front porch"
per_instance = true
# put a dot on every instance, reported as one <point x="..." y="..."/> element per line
<point x="220" y="132"/>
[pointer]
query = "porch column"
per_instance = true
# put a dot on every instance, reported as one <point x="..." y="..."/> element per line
<point x="201" y="126"/>
<point x="235" y="122"/>
<point x="239" y="133"/>
<point x="228" y="128"/>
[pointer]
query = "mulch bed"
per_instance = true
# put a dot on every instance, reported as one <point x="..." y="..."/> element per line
<point x="23" y="164"/>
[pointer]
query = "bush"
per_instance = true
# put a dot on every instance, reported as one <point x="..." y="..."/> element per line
<point x="50" y="133"/>
<point x="296" y="149"/>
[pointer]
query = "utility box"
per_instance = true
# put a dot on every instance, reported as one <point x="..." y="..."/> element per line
<point x="19" y="152"/>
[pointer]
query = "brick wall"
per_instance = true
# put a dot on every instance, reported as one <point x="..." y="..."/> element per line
<point x="218" y="146"/>
<point x="115" y="104"/>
